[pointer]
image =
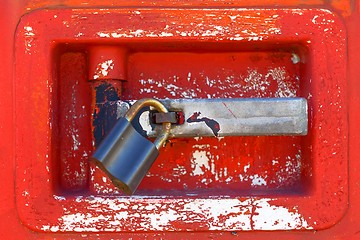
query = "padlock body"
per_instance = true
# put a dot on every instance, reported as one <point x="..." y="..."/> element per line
<point x="125" y="155"/>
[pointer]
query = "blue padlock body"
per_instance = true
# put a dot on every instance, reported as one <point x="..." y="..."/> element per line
<point x="125" y="155"/>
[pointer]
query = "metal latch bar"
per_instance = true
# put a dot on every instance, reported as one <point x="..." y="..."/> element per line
<point x="230" y="117"/>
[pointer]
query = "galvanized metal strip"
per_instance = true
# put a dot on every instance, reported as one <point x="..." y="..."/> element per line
<point x="231" y="117"/>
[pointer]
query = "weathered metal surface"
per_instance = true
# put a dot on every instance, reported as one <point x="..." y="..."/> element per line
<point x="104" y="116"/>
<point x="197" y="184"/>
<point x="230" y="117"/>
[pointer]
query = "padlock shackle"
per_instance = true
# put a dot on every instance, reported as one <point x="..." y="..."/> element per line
<point x="151" y="102"/>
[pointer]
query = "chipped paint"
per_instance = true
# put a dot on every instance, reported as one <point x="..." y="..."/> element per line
<point x="285" y="88"/>
<point x="290" y="172"/>
<point x="29" y="38"/>
<point x="257" y="180"/>
<point x="295" y="58"/>
<point x="246" y="167"/>
<point x="199" y="162"/>
<point x="218" y="214"/>
<point x="198" y="31"/>
<point x="76" y="142"/>
<point x="103" y="69"/>
<point x="230" y="86"/>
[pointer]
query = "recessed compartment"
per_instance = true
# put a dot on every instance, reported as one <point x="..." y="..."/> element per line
<point x="204" y="166"/>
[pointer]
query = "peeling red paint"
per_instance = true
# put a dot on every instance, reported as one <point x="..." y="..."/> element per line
<point x="233" y="184"/>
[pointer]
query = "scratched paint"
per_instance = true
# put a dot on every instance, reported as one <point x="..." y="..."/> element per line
<point x="252" y="82"/>
<point x="74" y="109"/>
<point x="221" y="32"/>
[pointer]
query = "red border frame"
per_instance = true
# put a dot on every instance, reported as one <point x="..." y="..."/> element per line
<point x="325" y="38"/>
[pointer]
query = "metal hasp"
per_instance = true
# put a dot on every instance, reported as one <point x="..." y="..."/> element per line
<point x="125" y="155"/>
<point x="231" y="117"/>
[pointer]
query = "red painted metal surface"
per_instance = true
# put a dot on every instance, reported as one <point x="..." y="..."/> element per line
<point x="233" y="185"/>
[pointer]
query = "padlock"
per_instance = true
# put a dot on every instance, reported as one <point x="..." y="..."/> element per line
<point x="124" y="154"/>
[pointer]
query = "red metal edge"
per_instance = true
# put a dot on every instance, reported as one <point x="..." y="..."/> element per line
<point x="313" y="208"/>
<point x="344" y="7"/>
